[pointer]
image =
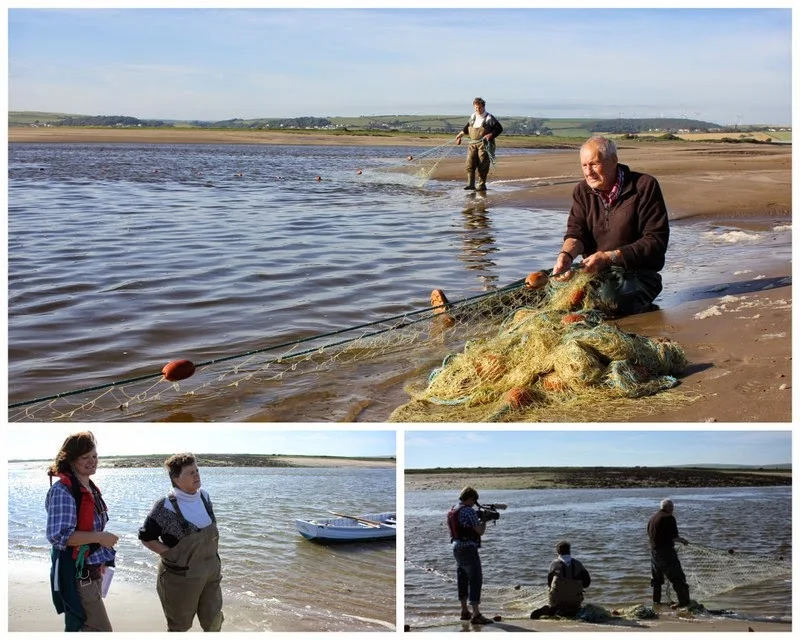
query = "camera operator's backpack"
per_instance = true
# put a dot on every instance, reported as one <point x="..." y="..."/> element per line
<point x="458" y="532"/>
<point x="566" y="590"/>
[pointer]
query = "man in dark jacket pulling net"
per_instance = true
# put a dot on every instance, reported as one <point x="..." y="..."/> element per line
<point x="619" y="223"/>
<point x="662" y="530"/>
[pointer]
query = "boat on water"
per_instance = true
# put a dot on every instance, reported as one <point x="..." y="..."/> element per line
<point x="343" y="528"/>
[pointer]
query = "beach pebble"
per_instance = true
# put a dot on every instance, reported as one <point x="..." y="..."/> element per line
<point x="178" y="370"/>
<point x="783" y="387"/>
<point x="517" y="587"/>
<point x="710" y="420"/>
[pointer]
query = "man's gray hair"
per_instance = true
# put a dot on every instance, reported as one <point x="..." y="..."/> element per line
<point x="605" y="147"/>
<point x="666" y="505"/>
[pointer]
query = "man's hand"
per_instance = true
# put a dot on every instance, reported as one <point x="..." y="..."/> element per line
<point x="562" y="266"/>
<point x="487" y="137"/>
<point x="598" y="262"/>
<point x="458" y="137"/>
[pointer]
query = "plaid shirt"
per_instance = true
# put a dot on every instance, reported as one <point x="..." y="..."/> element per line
<point x="610" y="197"/>
<point x="62" y="519"/>
<point x="467" y="517"/>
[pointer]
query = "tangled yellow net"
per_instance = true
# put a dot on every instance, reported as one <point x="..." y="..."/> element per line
<point x="554" y="358"/>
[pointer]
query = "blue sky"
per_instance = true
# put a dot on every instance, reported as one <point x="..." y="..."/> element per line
<point x="722" y="65"/>
<point x="34" y="442"/>
<point x="429" y="449"/>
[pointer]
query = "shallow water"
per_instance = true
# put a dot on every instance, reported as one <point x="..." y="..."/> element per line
<point x="124" y="257"/>
<point x="607" y="530"/>
<point x="272" y="576"/>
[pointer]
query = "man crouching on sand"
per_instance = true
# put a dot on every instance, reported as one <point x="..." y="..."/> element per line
<point x="566" y="581"/>
<point x="619" y="223"/>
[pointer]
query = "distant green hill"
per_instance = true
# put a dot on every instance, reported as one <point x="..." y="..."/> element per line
<point x="447" y="124"/>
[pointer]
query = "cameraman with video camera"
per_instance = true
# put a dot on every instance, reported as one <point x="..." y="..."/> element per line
<point x="466" y="528"/>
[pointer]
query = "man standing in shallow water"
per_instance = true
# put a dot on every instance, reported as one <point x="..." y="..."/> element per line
<point x="662" y="530"/>
<point x="482" y="128"/>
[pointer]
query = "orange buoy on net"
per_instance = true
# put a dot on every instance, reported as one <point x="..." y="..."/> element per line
<point x="490" y="368"/>
<point x="551" y="382"/>
<point x="537" y="280"/>
<point x="410" y="157"/>
<point x="518" y="397"/>
<point x="577" y="297"/>
<point x="573" y="317"/>
<point x="178" y="370"/>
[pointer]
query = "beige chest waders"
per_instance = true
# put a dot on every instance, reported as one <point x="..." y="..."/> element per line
<point x="189" y="577"/>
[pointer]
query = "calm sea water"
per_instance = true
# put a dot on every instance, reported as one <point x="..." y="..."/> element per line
<point x="122" y="257"/>
<point x="272" y="577"/>
<point x="607" y="529"/>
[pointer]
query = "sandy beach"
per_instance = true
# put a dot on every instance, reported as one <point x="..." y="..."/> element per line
<point x="130" y="607"/>
<point x="736" y="332"/>
<point x="667" y="623"/>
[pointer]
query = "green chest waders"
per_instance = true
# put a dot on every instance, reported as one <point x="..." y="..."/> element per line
<point x="189" y="577"/>
<point x="479" y="156"/>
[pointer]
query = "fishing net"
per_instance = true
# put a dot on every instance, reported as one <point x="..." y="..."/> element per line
<point x="553" y="357"/>
<point x="423" y="165"/>
<point x="710" y="572"/>
<point x="516" y="338"/>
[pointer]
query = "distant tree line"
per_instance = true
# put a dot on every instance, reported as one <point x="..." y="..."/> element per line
<point x="414" y="124"/>
<point x="107" y="121"/>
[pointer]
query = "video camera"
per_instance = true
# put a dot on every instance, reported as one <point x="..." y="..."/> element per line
<point x="489" y="512"/>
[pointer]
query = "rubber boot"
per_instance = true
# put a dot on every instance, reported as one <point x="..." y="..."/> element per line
<point x="481" y="182"/>
<point x="683" y="595"/>
<point x="470" y="181"/>
<point x="657" y="595"/>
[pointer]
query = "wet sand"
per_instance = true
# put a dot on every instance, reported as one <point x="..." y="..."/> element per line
<point x="130" y="607"/>
<point x="667" y="623"/>
<point x="253" y="460"/>
<point x="591" y="478"/>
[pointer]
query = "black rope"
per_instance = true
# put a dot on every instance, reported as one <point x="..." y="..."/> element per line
<point x="459" y="303"/>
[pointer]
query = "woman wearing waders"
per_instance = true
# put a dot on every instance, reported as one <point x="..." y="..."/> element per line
<point x="182" y="529"/>
<point x="76" y="517"/>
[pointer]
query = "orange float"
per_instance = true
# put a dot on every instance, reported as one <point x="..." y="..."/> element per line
<point x="178" y="370"/>
<point x="573" y="317"/>
<point x="577" y="297"/>
<point x="490" y="368"/>
<point x="551" y="382"/>
<point x="518" y="397"/>
<point x="536" y="280"/>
